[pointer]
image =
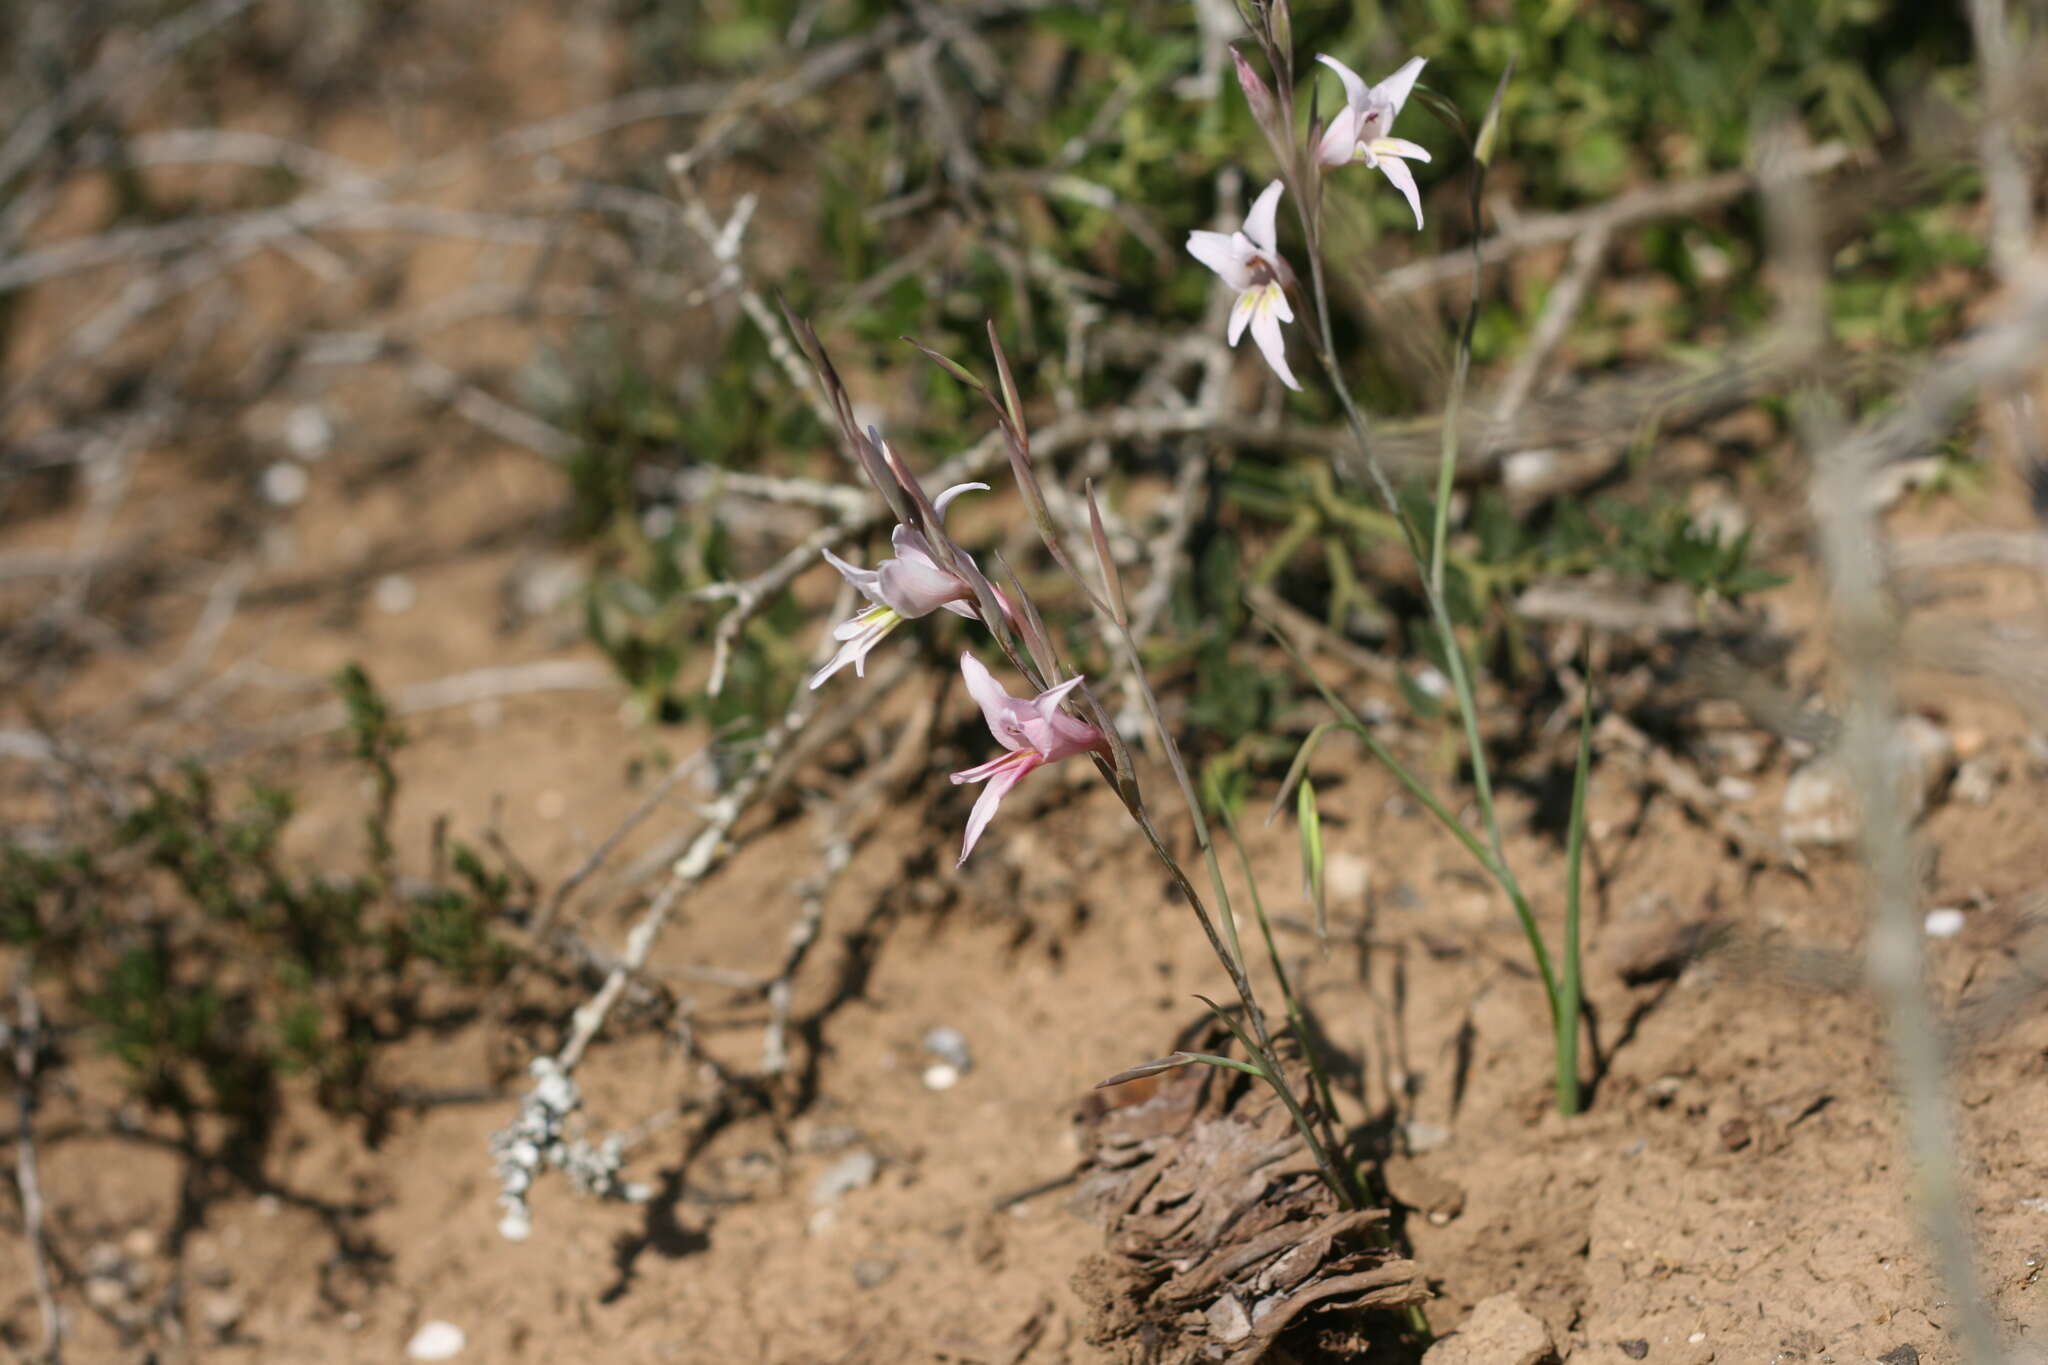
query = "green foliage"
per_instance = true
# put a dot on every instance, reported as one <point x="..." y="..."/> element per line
<point x="210" y="965"/>
<point x="1605" y="94"/>
<point x="1655" y="543"/>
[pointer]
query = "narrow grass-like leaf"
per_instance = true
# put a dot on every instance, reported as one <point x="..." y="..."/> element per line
<point x="951" y="366"/>
<point x="1013" y="408"/>
<point x="1211" y="1059"/>
<point x="1112" y="583"/>
<point x="1300" y="765"/>
<point x="1568" y="987"/>
<point x="1171" y="1062"/>
<point x="1489" y="127"/>
<point x="1309" y="820"/>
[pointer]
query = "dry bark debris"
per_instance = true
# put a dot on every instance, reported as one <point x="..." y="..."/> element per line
<point x="1221" y="1234"/>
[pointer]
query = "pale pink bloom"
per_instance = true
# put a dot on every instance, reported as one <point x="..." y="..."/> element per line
<point x="1359" y="131"/>
<point x="912" y="584"/>
<point x="1249" y="262"/>
<point x="1036" y="732"/>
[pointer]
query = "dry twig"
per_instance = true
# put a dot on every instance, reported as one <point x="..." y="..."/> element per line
<point x="28" y="1041"/>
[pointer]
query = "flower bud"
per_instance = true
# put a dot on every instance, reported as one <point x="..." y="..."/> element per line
<point x="1256" y="93"/>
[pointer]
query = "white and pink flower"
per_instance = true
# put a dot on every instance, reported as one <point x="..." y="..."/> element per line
<point x="1249" y="261"/>
<point x="1360" y="130"/>
<point x="911" y="585"/>
<point x="1035" y="731"/>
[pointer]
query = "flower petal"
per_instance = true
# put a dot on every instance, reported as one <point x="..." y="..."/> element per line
<point x="1404" y="180"/>
<point x="998" y="708"/>
<point x="874" y="628"/>
<point x="939" y="503"/>
<point x="916" y="587"/>
<point x="1394" y="89"/>
<point x="913" y="582"/>
<point x="992" y="795"/>
<point x="1399" y="146"/>
<point x="1053" y="734"/>
<point x="1266" y="336"/>
<point x="1259" y="224"/>
<point x="1241" y="313"/>
<point x="1049" y="701"/>
<point x="1354" y="85"/>
<point x="1340" y="139"/>
<point x="1276" y="299"/>
<point x="863" y="579"/>
<point x="1217" y="251"/>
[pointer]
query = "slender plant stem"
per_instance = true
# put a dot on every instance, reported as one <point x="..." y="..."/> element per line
<point x="1566" y="1016"/>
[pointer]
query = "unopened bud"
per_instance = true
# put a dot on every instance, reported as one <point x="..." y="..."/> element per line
<point x="1256" y="92"/>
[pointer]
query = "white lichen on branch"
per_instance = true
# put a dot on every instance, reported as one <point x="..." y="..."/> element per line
<point x="539" y="1139"/>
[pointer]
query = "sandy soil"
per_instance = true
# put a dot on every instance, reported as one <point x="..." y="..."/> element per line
<point x="1736" y="1192"/>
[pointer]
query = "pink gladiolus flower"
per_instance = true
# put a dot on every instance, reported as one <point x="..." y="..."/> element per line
<point x="1358" y="131"/>
<point x="1036" y="732"/>
<point x="1249" y="262"/>
<point x="912" y="584"/>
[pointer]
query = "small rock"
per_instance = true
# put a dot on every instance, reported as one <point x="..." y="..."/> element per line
<point x="1819" y="807"/>
<point x="1347" y="877"/>
<point x="1635" y="1348"/>
<point x="873" y="1271"/>
<point x="939" y="1076"/>
<point x="1498" y="1331"/>
<point x="542" y="586"/>
<point x="828" y="1137"/>
<point x="105" y="1293"/>
<point x="1735" y="1135"/>
<point x="222" y="1314"/>
<point x="1528" y="473"/>
<point x="1736" y="789"/>
<point x="1900" y="1355"/>
<point x="436" y="1340"/>
<point x="283" y="484"/>
<point x="1945" y="922"/>
<point x="1424" y="1137"/>
<point x="308" y="432"/>
<point x="103" y="1260"/>
<point x="395" y="594"/>
<point x="949" y="1045"/>
<point x="1978" y="779"/>
<point x="854" y="1171"/>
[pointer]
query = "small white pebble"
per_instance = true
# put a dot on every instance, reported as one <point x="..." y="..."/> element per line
<point x="308" y="432"/>
<point x="284" y="484"/>
<point x="949" y="1045"/>
<point x="1696" y="1338"/>
<point x="1731" y="788"/>
<point x="436" y="1341"/>
<point x="516" y="1226"/>
<point x="940" y="1076"/>
<point x="1946" y="922"/>
<point x="395" y="594"/>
